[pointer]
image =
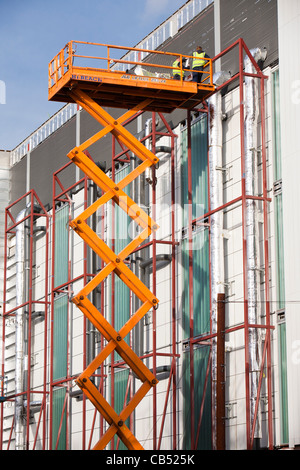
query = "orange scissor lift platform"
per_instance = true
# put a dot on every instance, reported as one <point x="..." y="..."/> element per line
<point x="92" y="68"/>
<point x="147" y="87"/>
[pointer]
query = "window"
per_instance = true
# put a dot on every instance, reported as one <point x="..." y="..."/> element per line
<point x="60" y="323"/>
<point x="201" y="290"/>
<point x="280" y="279"/>
<point x="200" y="235"/>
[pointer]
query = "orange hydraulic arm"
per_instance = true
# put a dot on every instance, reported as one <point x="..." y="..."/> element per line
<point x="114" y="262"/>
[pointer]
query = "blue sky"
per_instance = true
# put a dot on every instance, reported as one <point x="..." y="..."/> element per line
<point x="32" y="32"/>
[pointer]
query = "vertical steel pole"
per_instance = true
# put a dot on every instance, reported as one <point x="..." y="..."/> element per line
<point x="245" y="282"/>
<point x="30" y="299"/>
<point x="85" y="254"/>
<point x="213" y="437"/>
<point x="173" y="282"/>
<point x="173" y="277"/>
<point x="101" y="431"/>
<point x="154" y="281"/>
<point x="52" y="316"/>
<point x="220" y="411"/>
<point x="191" y="303"/>
<point x="3" y="328"/>
<point x="46" y="331"/>
<point x="266" y="253"/>
<point x="113" y="283"/>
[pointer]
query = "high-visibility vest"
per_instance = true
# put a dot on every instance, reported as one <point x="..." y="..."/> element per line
<point x="198" y="59"/>
<point x="176" y="69"/>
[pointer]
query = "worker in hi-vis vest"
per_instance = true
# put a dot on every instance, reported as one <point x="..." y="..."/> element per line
<point x="177" y="73"/>
<point x="198" y="62"/>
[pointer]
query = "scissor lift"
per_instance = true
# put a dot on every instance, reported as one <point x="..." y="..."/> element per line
<point x="94" y="88"/>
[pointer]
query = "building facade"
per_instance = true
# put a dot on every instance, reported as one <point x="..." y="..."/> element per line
<point x="224" y="342"/>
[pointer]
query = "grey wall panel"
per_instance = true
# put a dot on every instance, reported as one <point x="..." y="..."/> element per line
<point x="253" y="20"/>
<point x="18" y="180"/>
<point x="99" y="151"/>
<point x="200" y="31"/>
<point x="50" y="156"/>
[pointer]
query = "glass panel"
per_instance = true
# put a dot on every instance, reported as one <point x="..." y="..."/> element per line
<point x="179" y="20"/>
<point x="283" y="384"/>
<point x="167" y="30"/>
<point x="120" y="384"/>
<point x="199" y="170"/>
<point x="280" y="277"/>
<point x="122" y="292"/>
<point x="276" y="126"/>
<point x="150" y="43"/>
<point x="201" y="237"/>
<point x="201" y="291"/>
<point x="61" y="246"/>
<point x="279" y="252"/>
<point x="197" y="6"/>
<point x="201" y="356"/>
<point x="189" y="11"/>
<point x="58" y="403"/>
<point x="60" y="324"/>
<point x="201" y="294"/>
<point x="184" y="16"/>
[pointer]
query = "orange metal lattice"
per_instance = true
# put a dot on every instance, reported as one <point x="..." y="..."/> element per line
<point x="114" y="262"/>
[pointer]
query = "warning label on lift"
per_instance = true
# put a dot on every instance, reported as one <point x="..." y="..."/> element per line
<point x="144" y="79"/>
<point x="87" y="78"/>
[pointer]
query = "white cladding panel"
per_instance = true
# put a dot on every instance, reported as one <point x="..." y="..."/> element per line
<point x="289" y="37"/>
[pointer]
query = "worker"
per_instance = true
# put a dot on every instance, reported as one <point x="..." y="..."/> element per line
<point x="177" y="72"/>
<point x="198" y="62"/>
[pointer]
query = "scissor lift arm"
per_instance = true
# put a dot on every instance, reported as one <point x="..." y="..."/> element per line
<point x="145" y="96"/>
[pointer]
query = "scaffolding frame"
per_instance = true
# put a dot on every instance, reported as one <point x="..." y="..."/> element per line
<point x="60" y="194"/>
<point x="266" y="354"/>
<point x="30" y="199"/>
<point x="266" y="362"/>
<point x="171" y="387"/>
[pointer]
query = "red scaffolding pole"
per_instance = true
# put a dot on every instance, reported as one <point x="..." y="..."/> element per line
<point x="266" y="357"/>
<point x="123" y="157"/>
<point x="62" y="195"/>
<point x="31" y="201"/>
